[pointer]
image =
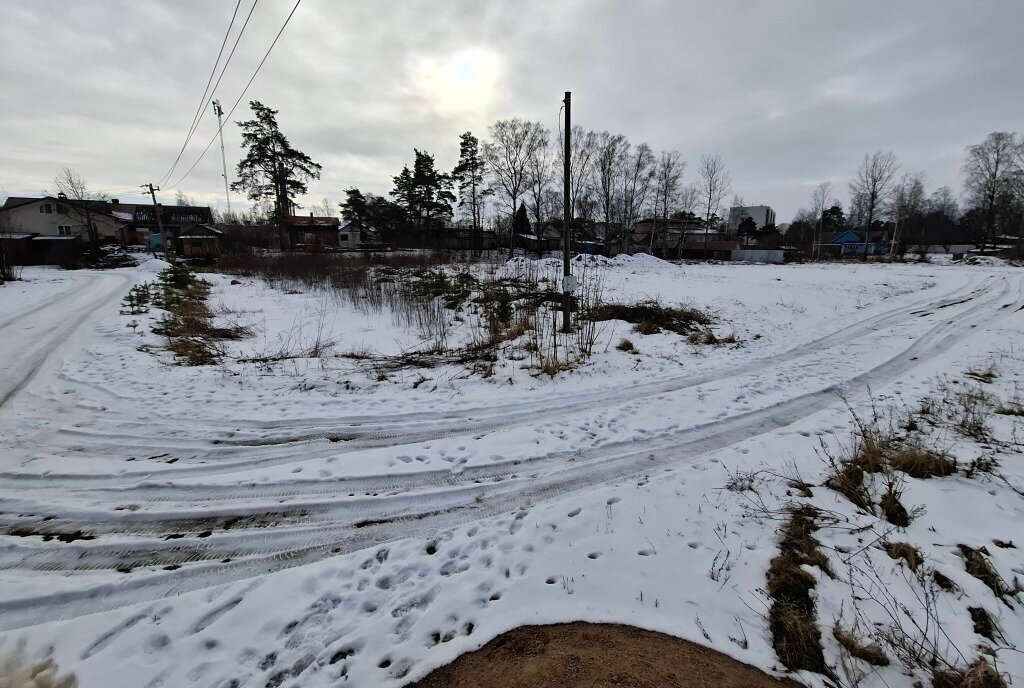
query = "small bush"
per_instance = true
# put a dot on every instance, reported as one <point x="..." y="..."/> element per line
<point x="626" y="345"/>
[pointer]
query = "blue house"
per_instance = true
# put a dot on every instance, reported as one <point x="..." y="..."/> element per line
<point x="850" y="244"/>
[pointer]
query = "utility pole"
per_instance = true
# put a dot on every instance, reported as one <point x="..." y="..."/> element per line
<point x="568" y="282"/>
<point x="223" y="157"/>
<point x="156" y="211"/>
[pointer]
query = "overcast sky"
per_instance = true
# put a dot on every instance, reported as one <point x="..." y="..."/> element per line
<point x="790" y="93"/>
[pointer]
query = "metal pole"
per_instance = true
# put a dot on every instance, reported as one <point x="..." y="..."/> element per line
<point x="567" y="286"/>
<point x="223" y="157"/>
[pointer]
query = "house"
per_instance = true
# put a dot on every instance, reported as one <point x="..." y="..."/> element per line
<point x="202" y="242"/>
<point x="671" y="238"/>
<point x="848" y="243"/>
<point x="762" y="215"/>
<point x="143" y="229"/>
<point x="350" y="235"/>
<point x="59" y="216"/>
<point x="312" y="233"/>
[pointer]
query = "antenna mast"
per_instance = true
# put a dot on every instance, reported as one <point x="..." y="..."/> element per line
<point x="223" y="157"/>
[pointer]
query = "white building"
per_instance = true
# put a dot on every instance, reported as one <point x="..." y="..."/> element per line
<point x="54" y="216"/>
<point x="761" y="215"/>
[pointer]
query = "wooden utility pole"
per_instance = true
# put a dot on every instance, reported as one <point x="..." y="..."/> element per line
<point x="223" y="157"/>
<point x="567" y="281"/>
<point x="156" y="210"/>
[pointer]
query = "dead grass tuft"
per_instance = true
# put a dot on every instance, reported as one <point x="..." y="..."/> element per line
<point x="984" y="624"/>
<point x="872" y="653"/>
<point x="650" y="317"/>
<point x="977" y="564"/>
<point x="626" y="345"/>
<point x="907" y="552"/>
<point x="16" y="671"/>
<point x="978" y="675"/>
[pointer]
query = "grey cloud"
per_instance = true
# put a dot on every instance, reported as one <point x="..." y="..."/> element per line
<point x="790" y="93"/>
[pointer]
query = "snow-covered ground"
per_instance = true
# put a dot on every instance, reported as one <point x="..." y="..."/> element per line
<point x="308" y="523"/>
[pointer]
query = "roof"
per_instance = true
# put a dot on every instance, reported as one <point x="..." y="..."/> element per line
<point x="309" y="220"/>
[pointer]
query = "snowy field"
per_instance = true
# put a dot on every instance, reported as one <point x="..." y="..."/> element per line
<point x="313" y="522"/>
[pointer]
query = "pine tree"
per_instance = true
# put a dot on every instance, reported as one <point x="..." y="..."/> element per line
<point x="424" y="194"/>
<point x="469" y="174"/>
<point x="521" y="221"/>
<point x="272" y="169"/>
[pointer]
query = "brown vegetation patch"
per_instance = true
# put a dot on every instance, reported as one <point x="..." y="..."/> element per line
<point x="872" y="653"/>
<point x="905" y="551"/>
<point x="978" y="675"/>
<point x="585" y="655"/>
<point x="978" y="565"/>
<point x="650" y="317"/>
<point x="792" y="617"/>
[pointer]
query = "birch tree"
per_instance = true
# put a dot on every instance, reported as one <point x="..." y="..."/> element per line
<point x="870" y="187"/>
<point x="507" y="155"/>
<point x="713" y="183"/>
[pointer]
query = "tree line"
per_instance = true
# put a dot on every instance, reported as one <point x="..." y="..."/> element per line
<point x="509" y="182"/>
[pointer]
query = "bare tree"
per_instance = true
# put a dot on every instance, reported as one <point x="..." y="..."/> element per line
<point x="871" y="186"/>
<point x="608" y="155"/>
<point x="540" y="177"/>
<point x="637" y="183"/>
<point x="714" y="183"/>
<point x="991" y="169"/>
<point x="668" y="174"/>
<point x="81" y="204"/>
<point x="688" y="198"/>
<point x="581" y="158"/>
<point x="181" y="199"/>
<point x="906" y="201"/>
<point x="821" y="200"/>
<point x="513" y="142"/>
<point x="943" y="201"/>
<point x="324" y="208"/>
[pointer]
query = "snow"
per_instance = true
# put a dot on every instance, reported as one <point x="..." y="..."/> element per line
<point x="305" y="517"/>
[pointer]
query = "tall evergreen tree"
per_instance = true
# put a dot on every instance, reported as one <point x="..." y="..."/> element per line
<point x="425" y="194"/>
<point x="469" y="175"/>
<point x="272" y="169"/>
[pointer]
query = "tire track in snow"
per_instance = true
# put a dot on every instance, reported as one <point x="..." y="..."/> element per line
<point x="585" y="469"/>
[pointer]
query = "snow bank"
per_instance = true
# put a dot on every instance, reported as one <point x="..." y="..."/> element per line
<point x="641" y="260"/>
<point x="153" y="265"/>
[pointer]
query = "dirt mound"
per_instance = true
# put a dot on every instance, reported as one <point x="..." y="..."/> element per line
<point x="578" y="655"/>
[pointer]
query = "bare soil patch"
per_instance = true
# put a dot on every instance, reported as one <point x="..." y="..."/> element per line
<point x="578" y="655"/>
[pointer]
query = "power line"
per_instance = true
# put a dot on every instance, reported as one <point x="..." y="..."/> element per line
<point x="209" y="80"/>
<point x="240" y="95"/>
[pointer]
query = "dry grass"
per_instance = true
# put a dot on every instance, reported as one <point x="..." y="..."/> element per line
<point x="189" y="325"/>
<point x="792" y="617"/>
<point x="870" y="652"/>
<point x="977" y="564"/>
<point x="650" y="317"/>
<point x="907" y="552"/>
<point x="978" y="675"/>
<point x="16" y="671"/>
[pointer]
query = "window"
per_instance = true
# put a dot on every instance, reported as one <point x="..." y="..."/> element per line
<point x="343" y="237"/>
<point x="62" y="209"/>
<point x="64" y="230"/>
<point x="46" y="208"/>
